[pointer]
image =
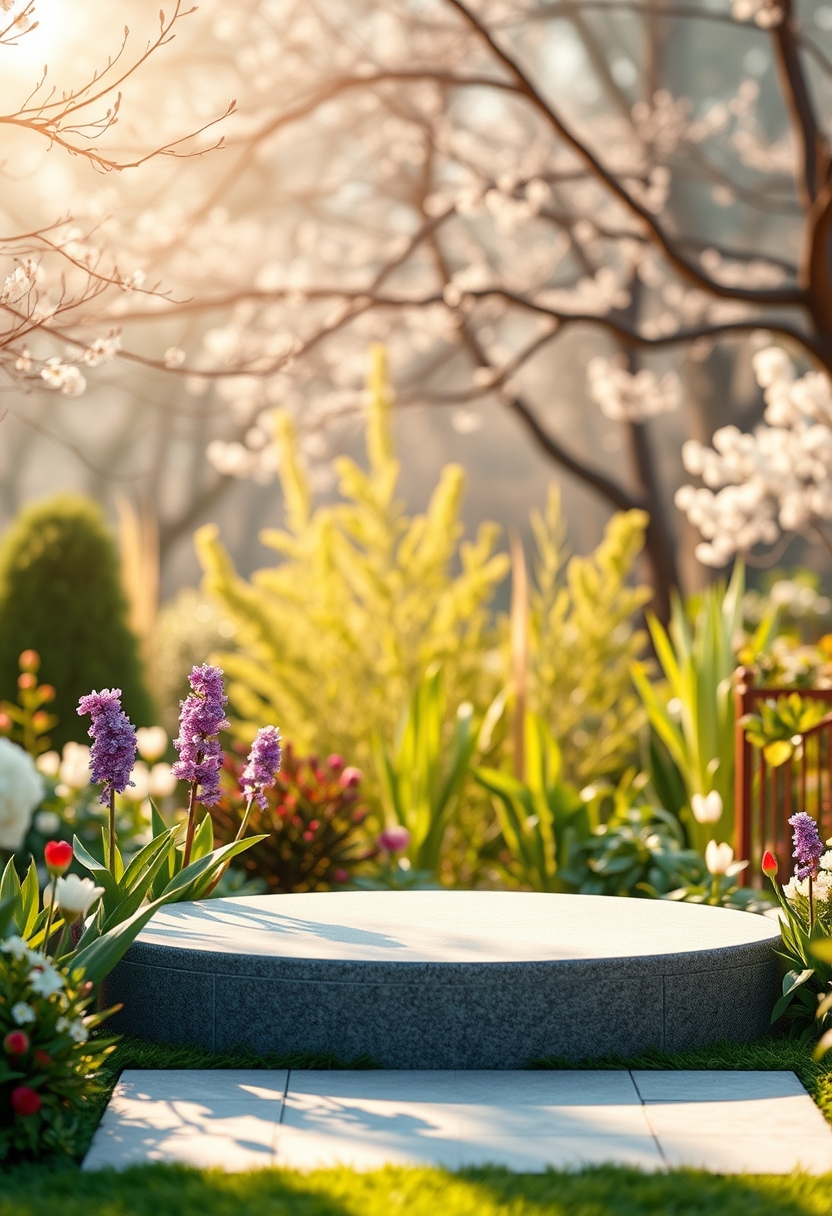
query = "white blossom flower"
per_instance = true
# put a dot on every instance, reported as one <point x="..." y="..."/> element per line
<point x="17" y="948"/>
<point x="776" y="480"/>
<point x="632" y="397"/>
<point x="75" y="896"/>
<point x="17" y="285"/>
<point x="140" y="777"/>
<point x="45" y="980"/>
<point x="23" y="1014"/>
<point x="78" y="1032"/>
<point x="63" y="376"/>
<point x="826" y="860"/>
<point x="162" y="781"/>
<point x="74" y="769"/>
<point x="21" y="789"/>
<point x="47" y="822"/>
<point x="719" y="858"/>
<point x="707" y="808"/>
<point x="48" y="763"/>
<point x="151" y="741"/>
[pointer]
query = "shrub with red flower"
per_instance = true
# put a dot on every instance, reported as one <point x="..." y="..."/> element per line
<point x="313" y="817"/>
<point x="47" y="1063"/>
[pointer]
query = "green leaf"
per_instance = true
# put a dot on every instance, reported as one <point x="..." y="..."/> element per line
<point x="779" y="752"/>
<point x="792" y="982"/>
<point x="203" y="839"/>
<point x="112" y="894"/>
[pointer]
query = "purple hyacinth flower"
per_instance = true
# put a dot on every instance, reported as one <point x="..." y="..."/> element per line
<point x="808" y="846"/>
<point x="263" y="765"/>
<point x="113" y="751"/>
<point x="201" y="718"/>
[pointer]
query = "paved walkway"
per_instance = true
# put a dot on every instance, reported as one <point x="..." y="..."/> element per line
<point x="725" y="1122"/>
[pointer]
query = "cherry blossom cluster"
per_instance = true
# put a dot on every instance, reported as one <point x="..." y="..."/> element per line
<point x="775" y="480"/>
<point x="625" y="396"/>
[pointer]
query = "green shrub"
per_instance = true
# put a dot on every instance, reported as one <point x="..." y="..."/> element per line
<point x="60" y="595"/>
<point x="335" y="637"/>
<point x="583" y="639"/>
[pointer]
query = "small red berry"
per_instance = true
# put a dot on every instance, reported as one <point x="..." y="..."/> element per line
<point x="29" y="660"/>
<point x="25" y="1101"/>
<point x="16" y="1043"/>
<point x="58" y="856"/>
<point x="43" y="1059"/>
<point x="27" y="681"/>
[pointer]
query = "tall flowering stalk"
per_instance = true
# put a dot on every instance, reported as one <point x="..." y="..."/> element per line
<point x="261" y="771"/>
<point x="808" y="850"/>
<point x="260" y="774"/>
<point x="113" y="752"/>
<point x="201" y="718"/>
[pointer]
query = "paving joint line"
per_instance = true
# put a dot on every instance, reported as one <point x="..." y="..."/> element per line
<point x="656" y="1139"/>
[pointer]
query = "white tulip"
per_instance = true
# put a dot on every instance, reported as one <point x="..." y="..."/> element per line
<point x="21" y="789"/>
<point x="75" y="896"/>
<point x="719" y="858"/>
<point x="152" y="742"/>
<point x="48" y="764"/>
<point x="162" y="781"/>
<point x="707" y="808"/>
<point x="75" y="766"/>
<point x="140" y="776"/>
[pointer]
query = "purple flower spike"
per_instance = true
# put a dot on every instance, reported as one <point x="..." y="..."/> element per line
<point x="113" y="751"/>
<point x="201" y="718"/>
<point x="808" y="846"/>
<point x="263" y="765"/>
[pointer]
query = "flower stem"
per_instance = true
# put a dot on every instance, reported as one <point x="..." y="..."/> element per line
<point x="240" y="833"/>
<point x="51" y="915"/>
<point x="189" y="835"/>
<point x="112" y="862"/>
<point x="244" y="824"/>
<point x="811" y="906"/>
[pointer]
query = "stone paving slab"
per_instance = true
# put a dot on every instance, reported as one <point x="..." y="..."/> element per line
<point x="725" y="1122"/>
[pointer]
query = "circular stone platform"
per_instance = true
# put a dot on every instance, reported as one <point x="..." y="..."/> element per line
<point x="446" y="979"/>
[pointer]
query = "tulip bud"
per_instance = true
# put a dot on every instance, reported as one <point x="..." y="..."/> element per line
<point x="16" y="1043"/>
<point x="394" y="839"/>
<point x="706" y="808"/>
<point x="58" y="856"/>
<point x="769" y="866"/>
<point x="25" y="1101"/>
<point x="718" y="858"/>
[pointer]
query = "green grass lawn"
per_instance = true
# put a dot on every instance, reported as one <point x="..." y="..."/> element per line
<point x="159" y="1190"/>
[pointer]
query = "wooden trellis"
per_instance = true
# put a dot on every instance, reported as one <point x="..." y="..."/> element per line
<point x="765" y="796"/>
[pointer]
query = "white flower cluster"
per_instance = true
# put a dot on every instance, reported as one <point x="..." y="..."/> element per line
<point x="63" y="376"/>
<point x="764" y="13"/>
<point x="778" y="479"/>
<point x="624" y="396"/>
<point x="21" y="789"/>
<point x="821" y="886"/>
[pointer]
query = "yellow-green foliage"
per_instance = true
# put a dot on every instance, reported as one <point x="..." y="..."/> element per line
<point x="583" y="641"/>
<point x="334" y="638"/>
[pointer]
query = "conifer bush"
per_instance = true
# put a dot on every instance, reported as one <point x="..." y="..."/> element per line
<point x="60" y="595"/>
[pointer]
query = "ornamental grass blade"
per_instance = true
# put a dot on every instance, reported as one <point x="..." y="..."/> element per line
<point x="7" y="911"/>
<point x="112" y="896"/>
<point x="30" y="900"/>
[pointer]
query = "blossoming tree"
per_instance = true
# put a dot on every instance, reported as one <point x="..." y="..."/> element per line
<point x="480" y="183"/>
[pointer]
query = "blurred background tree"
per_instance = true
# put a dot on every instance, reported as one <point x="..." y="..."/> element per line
<point x="565" y="220"/>
<point x="61" y="595"/>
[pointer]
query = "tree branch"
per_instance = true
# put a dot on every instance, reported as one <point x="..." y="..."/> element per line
<point x="786" y="297"/>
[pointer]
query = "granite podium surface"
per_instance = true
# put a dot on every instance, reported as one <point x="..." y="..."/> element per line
<point x="446" y="979"/>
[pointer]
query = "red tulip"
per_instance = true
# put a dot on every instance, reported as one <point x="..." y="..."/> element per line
<point x="16" y="1043"/>
<point x="25" y="1101"/>
<point x="58" y="856"/>
<point x="769" y="865"/>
